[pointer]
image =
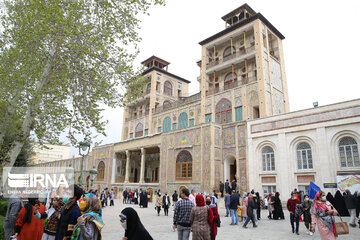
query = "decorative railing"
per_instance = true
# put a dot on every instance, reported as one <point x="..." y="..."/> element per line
<point x="239" y="52"/>
<point x="178" y="103"/>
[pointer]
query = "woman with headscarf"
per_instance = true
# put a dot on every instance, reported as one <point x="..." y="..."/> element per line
<point x="52" y="215"/>
<point x="216" y="217"/>
<point x="134" y="229"/>
<point x="322" y="215"/>
<point x="244" y="204"/>
<point x="89" y="224"/>
<point x="250" y="212"/>
<point x="201" y="217"/>
<point x="159" y="202"/>
<point x="340" y="204"/>
<point x="306" y="207"/>
<point x="270" y="205"/>
<point x="278" y="211"/>
<point x="27" y="226"/>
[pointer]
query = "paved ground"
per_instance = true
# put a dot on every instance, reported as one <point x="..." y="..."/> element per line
<point x="159" y="226"/>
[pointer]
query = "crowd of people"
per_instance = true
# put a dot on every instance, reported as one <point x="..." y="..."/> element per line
<point x="77" y="215"/>
<point x="133" y="197"/>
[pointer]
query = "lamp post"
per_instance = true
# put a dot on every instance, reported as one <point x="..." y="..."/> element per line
<point x="84" y="148"/>
<point x="93" y="172"/>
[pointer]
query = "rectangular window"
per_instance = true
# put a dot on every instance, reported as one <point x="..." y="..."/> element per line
<point x="268" y="189"/>
<point x="146" y="132"/>
<point x="158" y="78"/>
<point x="131" y="135"/>
<point x="208" y="118"/>
<point x="238" y="114"/>
<point x="159" y="129"/>
<point x="174" y="126"/>
<point x="191" y="122"/>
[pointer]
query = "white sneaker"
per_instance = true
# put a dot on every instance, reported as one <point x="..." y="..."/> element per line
<point x="311" y="233"/>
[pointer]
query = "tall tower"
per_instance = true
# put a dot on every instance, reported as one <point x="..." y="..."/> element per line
<point x="242" y="69"/>
<point x="161" y="89"/>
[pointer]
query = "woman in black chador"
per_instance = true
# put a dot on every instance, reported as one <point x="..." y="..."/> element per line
<point x="340" y="204"/>
<point x="278" y="211"/>
<point x="134" y="229"/>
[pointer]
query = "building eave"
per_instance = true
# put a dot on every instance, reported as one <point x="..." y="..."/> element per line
<point x="165" y="72"/>
<point x="241" y="24"/>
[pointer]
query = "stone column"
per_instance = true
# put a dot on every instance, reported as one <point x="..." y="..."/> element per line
<point x="142" y="168"/>
<point x="127" y="170"/>
<point x="113" y="172"/>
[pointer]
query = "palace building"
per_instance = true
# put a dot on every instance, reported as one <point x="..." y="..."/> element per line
<point x="235" y="127"/>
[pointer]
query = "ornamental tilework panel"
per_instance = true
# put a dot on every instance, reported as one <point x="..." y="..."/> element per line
<point x="243" y="178"/>
<point x="206" y="159"/>
<point x="242" y="152"/>
<point x="238" y="101"/>
<point x="238" y="92"/>
<point x="275" y="72"/>
<point x="163" y="159"/>
<point x="229" y="152"/>
<point x="217" y="153"/>
<point x="226" y="95"/>
<point x="184" y="138"/>
<point x="171" y="159"/>
<point x="196" y="164"/>
<point x="217" y="137"/>
<point x="197" y="136"/>
<point x="172" y="187"/>
<point x="171" y="141"/>
<point x="208" y="101"/>
<point x="279" y="102"/>
<point x="217" y="172"/>
<point x="241" y="135"/>
<point x="229" y="136"/>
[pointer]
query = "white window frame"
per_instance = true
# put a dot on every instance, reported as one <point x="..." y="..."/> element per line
<point x="268" y="160"/>
<point x="308" y="152"/>
<point x="343" y="147"/>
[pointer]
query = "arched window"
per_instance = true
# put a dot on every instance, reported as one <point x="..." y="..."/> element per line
<point x="139" y="130"/>
<point x="101" y="171"/>
<point x="183" y="120"/>
<point x="228" y="80"/>
<point x="304" y="156"/>
<point x="167" y="124"/>
<point x="184" y="165"/>
<point x="268" y="159"/>
<point x="349" y="154"/>
<point x="168" y="88"/>
<point x="166" y="104"/>
<point x="223" y="111"/>
<point x="227" y="51"/>
<point x="148" y="88"/>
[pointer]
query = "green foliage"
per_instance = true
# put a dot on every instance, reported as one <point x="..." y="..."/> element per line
<point x="2" y="233"/>
<point x="61" y="60"/>
<point x="3" y="208"/>
<point x="25" y="155"/>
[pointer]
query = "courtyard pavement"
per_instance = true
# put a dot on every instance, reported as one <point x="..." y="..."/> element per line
<point x="159" y="227"/>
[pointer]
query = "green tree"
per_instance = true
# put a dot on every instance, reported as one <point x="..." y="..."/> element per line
<point x="61" y="60"/>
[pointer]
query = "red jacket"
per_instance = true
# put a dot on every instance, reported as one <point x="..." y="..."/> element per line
<point x="291" y="204"/>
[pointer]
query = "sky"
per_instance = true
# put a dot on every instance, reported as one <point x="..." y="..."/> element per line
<point x="321" y="46"/>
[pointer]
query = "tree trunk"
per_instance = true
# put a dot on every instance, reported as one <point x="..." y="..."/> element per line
<point x="29" y="119"/>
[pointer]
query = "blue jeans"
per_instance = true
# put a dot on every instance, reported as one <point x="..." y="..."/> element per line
<point x="292" y="220"/>
<point x="227" y="210"/>
<point x="234" y="216"/>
